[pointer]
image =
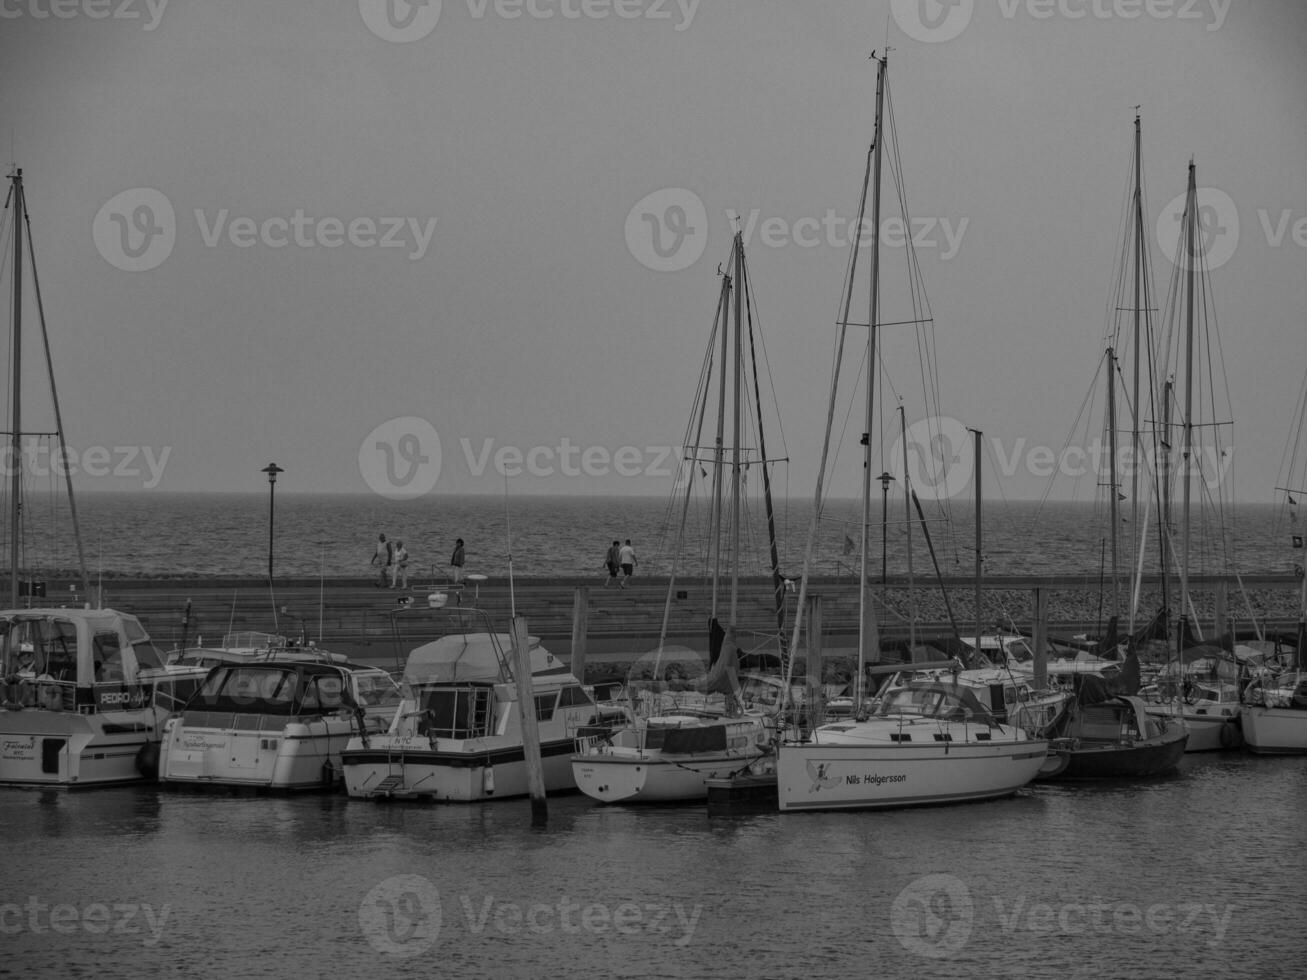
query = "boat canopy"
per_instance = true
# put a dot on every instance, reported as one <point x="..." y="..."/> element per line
<point x="938" y="700"/>
<point x="78" y="645"/>
<point x="274" y="688"/>
<point x="473" y="657"/>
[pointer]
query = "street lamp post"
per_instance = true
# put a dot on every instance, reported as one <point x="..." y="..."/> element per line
<point x="885" y="481"/>
<point x="272" y="469"/>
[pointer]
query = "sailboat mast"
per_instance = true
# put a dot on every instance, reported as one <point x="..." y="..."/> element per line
<point x="735" y="435"/>
<point x="907" y="524"/>
<point x="1138" y="338"/>
<point x="1111" y="481"/>
<point x="719" y="451"/>
<point x="1191" y="256"/>
<point x="16" y="442"/>
<point x="976" y="433"/>
<point x="868" y="637"/>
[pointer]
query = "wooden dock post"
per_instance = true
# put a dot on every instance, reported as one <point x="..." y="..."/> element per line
<point x="580" y="627"/>
<point x="1040" y="639"/>
<point x="816" y="702"/>
<point x="526" y="703"/>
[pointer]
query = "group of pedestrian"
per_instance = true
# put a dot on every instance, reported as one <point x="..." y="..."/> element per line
<point x="391" y="560"/>
<point x="620" y="559"/>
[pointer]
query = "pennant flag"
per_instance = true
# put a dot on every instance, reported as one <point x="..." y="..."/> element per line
<point x="848" y="545"/>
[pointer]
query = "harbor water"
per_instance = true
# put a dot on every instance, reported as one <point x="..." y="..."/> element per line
<point x="1200" y="873"/>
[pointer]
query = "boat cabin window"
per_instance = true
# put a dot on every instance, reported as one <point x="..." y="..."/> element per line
<point x="147" y="654"/>
<point x="373" y="690"/>
<point x="545" y="706"/>
<point x="456" y="712"/>
<point x="43" y="646"/>
<point x="323" y="693"/>
<point x="249" y="689"/>
<point x="573" y="695"/>
<point x="107" y="655"/>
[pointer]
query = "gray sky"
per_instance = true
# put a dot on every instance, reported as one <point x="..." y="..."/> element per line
<point x="300" y="306"/>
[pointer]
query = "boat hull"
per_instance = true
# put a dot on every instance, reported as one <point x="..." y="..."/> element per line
<point x="1151" y="757"/>
<point x="408" y="768"/>
<point x="645" y="779"/>
<point x="1274" y="731"/>
<point x="63" y="748"/>
<point x="256" y="752"/>
<point x="1210" y="729"/>
<point x="815" y="776"/>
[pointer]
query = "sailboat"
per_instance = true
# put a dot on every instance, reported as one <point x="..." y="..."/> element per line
<point x="680" y="741"/>
<point x="929" y="741"/>
<point x="1274" y="712"/>
<point x="83" y="692"/>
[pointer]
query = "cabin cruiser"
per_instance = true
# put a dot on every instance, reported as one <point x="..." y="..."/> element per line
<point x="457" y="734"/>
<point x="85" y="696"/>
<point x="273" y="724"/>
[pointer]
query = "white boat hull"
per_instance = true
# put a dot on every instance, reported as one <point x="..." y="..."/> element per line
<point x="449" y="770"/>
<point x="62" y="748"/>
<point x="1275" y="731"/>
<point x="640" y="779"/>
<point x="300" y="755"/>
<point x="813" y="776"/>
<point x="1213" y="729"/>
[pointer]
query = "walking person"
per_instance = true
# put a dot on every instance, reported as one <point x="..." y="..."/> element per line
<point x="382" y="557"/>
<point x="456" y="562"/>
<point x="626" y="558"/>
<point x="612" y="560"/>
<point x="399" y="569"/>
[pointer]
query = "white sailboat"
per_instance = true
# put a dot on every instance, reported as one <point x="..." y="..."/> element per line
<point x="677" y="744"/>
<point x="1274" y="712"/>
<point x="83" y="693"/>
<point x="930" y="741"/>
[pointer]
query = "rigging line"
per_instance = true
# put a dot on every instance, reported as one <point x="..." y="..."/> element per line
<point x="54" y="397"/>
<point x="752" y="300"/>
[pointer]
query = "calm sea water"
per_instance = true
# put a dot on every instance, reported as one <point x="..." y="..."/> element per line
<point x="1197" y="874"/>
<point x="207" y="535"/>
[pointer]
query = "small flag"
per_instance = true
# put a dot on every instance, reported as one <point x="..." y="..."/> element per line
<point x="848" y="545"/>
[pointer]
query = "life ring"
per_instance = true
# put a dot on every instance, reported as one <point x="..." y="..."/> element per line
<point x="1231" y="736"/>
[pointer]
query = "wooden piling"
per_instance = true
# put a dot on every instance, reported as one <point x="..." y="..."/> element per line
<point x="526" y="703"/>
<point x="816" y="702"/>
<point x="580" y="627"/>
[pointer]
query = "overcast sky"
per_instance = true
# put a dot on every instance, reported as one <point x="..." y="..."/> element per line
<point x="404" y="248"/>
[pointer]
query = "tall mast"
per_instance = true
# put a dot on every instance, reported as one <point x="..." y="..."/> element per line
<point x="1191" y="256"/>
<point x="977" y="468"/>
<point x="868" y="633"/>
<point x="1138" y="338"/>
<point x="907" y="524"/>
<point x="1111" y="481"/>
<point x="719" y="452"/>
<point x="735" y="437"/>
<point x="16" y="442"/>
